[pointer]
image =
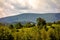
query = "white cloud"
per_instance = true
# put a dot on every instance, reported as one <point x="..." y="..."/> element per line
<point x="14" y="7"/>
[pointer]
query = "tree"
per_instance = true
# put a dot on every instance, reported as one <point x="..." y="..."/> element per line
<point x="40" y="22"/>
<point x="18" y="25"/>
<point x="58" y="22"/>
<point x="11" y="26"/>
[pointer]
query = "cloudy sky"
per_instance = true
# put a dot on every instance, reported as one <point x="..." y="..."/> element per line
<point x="15" y="7"/>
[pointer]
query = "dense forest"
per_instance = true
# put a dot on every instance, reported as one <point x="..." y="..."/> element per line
<point x="41" y="30"/>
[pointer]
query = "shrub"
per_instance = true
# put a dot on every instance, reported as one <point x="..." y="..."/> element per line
<point x="5" y="34"/>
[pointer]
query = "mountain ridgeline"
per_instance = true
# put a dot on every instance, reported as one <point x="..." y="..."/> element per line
<point x="31" y="17"/>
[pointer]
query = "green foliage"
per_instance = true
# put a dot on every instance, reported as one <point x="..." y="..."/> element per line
<point x="49" y="24"/>
<point x="58" y="22"/>
<point x="1" y="24"/>
<point x="11" y="26"/>
<point x="40" y="22"/>
<point x="49" y="31"/>
<point x="28" y="25"/>
<point x="32" y="33"/>
<point x="5" y="34"/>
<point x="18" y="25"/>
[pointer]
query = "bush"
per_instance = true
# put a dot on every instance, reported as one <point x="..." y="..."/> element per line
<point x="28" y="25"/>
<point x="18" y="25"/>
<point x="5" y="34"/>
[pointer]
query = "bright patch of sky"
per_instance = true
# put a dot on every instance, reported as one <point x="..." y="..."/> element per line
<point x="15" y="7"/>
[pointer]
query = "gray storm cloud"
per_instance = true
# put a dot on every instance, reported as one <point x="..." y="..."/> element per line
<point x="15" y="7"/>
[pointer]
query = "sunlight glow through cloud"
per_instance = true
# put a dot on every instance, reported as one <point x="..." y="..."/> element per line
<point x="15" y="7"/>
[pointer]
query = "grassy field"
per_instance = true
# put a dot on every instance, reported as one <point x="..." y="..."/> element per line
<point x="33" y="33"/>
<point x="41" y="30"/>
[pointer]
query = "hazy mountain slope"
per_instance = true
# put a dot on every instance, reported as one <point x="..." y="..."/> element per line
<point x="57" y="16"/>
<point x="31" y="17"/>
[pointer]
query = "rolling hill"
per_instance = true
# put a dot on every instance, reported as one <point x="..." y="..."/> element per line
<point x="31" y="17"/>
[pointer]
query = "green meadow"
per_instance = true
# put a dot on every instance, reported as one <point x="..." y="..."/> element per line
<point x="41" y="30"/>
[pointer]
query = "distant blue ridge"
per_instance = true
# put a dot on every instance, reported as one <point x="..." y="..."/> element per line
<point x="31" y="17"/>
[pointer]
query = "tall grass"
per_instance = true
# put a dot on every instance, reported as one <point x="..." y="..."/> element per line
<point x="32" y="33"/>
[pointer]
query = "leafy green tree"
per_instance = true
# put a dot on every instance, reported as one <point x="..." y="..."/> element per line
<point x="11" y="26"/>
<point x="18" y="25"/>
<point x="40" y="22"/>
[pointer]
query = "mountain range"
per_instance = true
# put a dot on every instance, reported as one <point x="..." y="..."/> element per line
<point x="31" y="17"/>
